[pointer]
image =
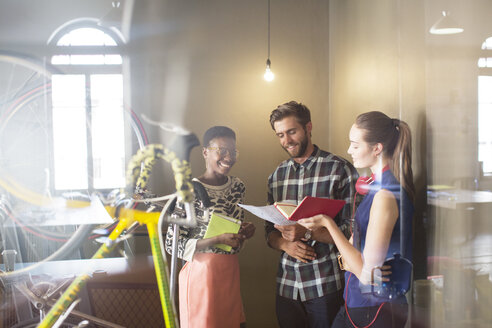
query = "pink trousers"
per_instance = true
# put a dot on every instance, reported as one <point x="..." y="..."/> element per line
<point x="209" y="292"/>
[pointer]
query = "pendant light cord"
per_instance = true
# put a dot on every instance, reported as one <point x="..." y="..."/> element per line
<point x="268" y="29"/>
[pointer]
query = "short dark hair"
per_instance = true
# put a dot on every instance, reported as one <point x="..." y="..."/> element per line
<point x="217" y="132"/>
<point x="291" y="108"/>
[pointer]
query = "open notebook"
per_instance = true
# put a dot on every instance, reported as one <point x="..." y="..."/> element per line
<point x="310" y="206"/>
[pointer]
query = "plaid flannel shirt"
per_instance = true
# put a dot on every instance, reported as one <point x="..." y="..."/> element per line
<point x="322" y="175"/>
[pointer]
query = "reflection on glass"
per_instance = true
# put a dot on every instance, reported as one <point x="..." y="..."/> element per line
<point x="69" y="132"/>
<point x="108" y="150"/>
<point x="484" y="120"/>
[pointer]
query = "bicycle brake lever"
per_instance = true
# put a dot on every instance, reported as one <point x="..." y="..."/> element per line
<point x="190" y="215"/>
<point x="200" y="194"/>
<point x="182" y="146"/>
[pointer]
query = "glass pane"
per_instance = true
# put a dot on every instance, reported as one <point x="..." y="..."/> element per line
<point x="60" y="60"/>
<point x="87" y="59"/>
<point x="68" y="91"/>
<point x="484" y="119"/>
<point x="85" y="37"/>
<point x="108" y="147"/>
<point x="485" y="156"/>
<point x="69" y="132"/>
<point x="485" y="89"/>
<point x="487" y="44"/>
<point x="113" y="60"/>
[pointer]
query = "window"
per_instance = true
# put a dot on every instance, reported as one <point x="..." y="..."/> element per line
<point x="485" y="107"/>
<point x="88" y="113"/>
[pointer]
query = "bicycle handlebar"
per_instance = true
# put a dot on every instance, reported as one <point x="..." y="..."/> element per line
<point x="177" y="155"/>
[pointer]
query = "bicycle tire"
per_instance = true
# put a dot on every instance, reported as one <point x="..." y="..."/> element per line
<point x="25" y="93"/>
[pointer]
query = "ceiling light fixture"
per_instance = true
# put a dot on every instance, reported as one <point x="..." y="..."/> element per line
<point x="445" y="25"/>
<point x="268" y="76"/>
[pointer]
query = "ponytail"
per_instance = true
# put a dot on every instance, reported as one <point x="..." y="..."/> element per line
<point x="401" y="162"/>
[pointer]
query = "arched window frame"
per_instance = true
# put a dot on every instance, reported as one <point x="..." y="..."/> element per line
<point x="93" y="164"/>
<point x="87" y="50"/>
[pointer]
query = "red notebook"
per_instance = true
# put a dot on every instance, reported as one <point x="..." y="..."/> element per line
<point x="310" y="206"/>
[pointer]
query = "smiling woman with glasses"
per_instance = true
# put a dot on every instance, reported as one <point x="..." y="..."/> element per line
<point x="203" y="303"/>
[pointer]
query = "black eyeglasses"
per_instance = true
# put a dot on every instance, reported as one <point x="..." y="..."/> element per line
<point x="222" y="152"/>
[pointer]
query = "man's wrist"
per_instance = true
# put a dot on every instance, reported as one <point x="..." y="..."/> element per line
<point x="274" y="239"/>
<point x="321" y="235"/>
<point x="281" y="244"/>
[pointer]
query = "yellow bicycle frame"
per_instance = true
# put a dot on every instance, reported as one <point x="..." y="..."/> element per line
<point x="182" y="174"/>
<point x="127" y="218"/>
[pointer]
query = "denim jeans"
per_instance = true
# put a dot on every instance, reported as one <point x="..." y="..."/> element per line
<point x="316" y="313"/>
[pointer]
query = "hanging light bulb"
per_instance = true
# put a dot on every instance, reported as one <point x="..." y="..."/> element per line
<point x="268" y="76"/>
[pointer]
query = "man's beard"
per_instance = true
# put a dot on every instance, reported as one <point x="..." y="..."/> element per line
<point x="302" y="149"/>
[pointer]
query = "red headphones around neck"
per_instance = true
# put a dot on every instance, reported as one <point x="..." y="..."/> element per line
<point x="363" y="183"/>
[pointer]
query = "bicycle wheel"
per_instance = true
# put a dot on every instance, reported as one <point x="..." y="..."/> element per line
<point x="30" y="203"/>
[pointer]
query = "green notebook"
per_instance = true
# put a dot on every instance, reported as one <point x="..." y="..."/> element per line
<point x="220" y="224"/>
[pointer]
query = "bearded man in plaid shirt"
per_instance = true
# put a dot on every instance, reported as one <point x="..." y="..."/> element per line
<point x="309" y="281"/>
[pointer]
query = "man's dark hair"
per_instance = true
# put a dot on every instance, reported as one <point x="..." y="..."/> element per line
<point x="291" y="108"/>
<point x="217" y="132"/>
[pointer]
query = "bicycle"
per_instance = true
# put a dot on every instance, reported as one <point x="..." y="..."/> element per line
<point x="128" y="217"/>
<point x="33" y="89"/>
<point x="26" y="163"/>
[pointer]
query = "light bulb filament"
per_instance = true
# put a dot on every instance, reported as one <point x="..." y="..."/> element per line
<point x="268" y="76"/>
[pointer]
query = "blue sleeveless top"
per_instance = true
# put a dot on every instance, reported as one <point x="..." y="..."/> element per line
<point x="354" y="297"/>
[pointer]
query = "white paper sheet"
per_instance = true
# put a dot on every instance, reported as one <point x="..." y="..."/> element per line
<point x="268" y="213"/>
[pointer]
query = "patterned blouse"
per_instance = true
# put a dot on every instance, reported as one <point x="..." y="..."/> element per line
<point x="225" y="200"/>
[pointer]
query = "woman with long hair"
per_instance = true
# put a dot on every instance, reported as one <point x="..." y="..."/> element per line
<point x="382" y="223"/>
